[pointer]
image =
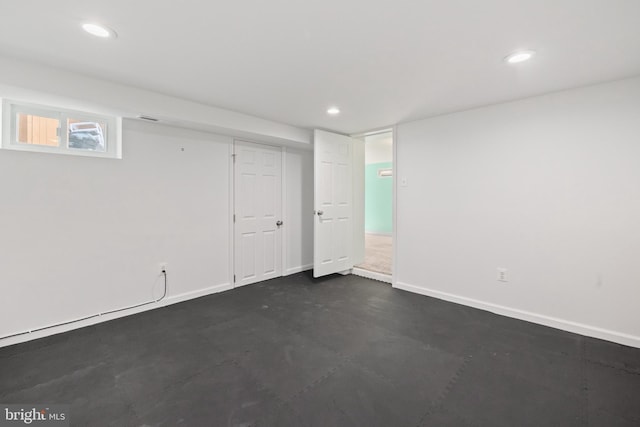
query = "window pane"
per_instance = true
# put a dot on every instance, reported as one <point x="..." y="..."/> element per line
<point x="37" y="130"/>
<point x="85" y="135"/>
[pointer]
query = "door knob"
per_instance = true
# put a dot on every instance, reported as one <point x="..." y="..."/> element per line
<point x="320" y="212"/>
<point x="279" y="223"/>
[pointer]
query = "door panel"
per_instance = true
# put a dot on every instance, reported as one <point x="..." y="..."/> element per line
<point x="258" y="205"/>
<point x="270" y="247"/>
<point x="334" y="211"/>
<point x="248" y="256"/>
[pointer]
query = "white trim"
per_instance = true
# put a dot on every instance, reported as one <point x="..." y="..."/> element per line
<point x="554" y="322"/>
<point x="394" y="203"/>
<point x="358" y="246"/>
<point x="374" y="275"/>
<point x="284" y="234"/>
<point x="197" y="294"/>
<point x="299" y="269"/>
<point x="232" y="212"/>
<point x="106" y="317"/>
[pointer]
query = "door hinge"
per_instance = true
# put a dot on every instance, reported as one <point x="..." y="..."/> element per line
<point x="234" y="217"/>
<point x="233" y="156"/>
<point x="234" y="278"/>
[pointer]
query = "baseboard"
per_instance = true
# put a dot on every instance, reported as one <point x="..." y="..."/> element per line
<point x="299" y="269"/>
<point x="372" y="275"/>
<point x="106" y="317"/>
<point x="197" y="294"/>
<point x="554" y="322"/>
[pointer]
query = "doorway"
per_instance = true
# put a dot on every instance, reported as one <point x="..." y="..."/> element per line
<point x="378" y="211"/>
<point x="342" y="165"/>
<point x="257" y="212"/>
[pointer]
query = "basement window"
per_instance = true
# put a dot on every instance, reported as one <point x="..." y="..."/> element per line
<point x="43" y="129"/>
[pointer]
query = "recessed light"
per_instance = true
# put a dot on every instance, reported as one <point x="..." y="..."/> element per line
<point x="99" y="31"/>
<point x="519" y="56"/>
<point x="333" y="111"/>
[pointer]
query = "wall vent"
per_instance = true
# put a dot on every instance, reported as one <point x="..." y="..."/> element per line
<point x="385" y="172"/>
<point x="147" y="118"/>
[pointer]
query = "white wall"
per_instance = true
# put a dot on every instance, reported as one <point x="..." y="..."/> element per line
<point x="547" y="187"/>
<point x="40" y="84"/>
<point x="83" y="235"/>
<point x="299" y="210"/>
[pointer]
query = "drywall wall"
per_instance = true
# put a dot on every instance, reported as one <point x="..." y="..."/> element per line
<point x="37" y="83"/>
<point x="299" y="210"/>
<point x="545" y="187"/>
<point x="83" y="235"/>
<point x="378" y="199"/>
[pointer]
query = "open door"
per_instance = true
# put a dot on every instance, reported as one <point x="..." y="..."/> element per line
<point x="339" y="213"/>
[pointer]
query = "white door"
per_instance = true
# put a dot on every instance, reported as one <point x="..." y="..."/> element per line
<point x="258" y="212"/>
<point x="335" y="211"/>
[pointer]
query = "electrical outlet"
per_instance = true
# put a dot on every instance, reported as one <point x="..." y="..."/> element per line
<point x="502" y="275"/>
<point x="163" y="267"/>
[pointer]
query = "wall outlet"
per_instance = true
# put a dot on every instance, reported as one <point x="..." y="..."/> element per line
<point x="162" y="267"/>
<point x="502" y="275"/>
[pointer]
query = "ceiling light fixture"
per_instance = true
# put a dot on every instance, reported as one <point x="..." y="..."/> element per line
<point x="99" y="31"/>
<point x="333" y="111"/>
<point x="519" y="56"/>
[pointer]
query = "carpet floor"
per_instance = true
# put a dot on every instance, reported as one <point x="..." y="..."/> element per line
<point x="378" y="253"/>
<point x="341" y="351"/>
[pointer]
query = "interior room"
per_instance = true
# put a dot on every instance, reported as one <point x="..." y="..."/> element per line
<point x="187" y="207"/>
<point x="378" y="206"/>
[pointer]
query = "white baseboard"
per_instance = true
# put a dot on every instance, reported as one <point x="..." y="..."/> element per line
<point x="106" y="317"/>
<point x="554" y="322"/>
<point x="372" y="275"/>
<point x="299" y="269"/>
<point x="199" y="293"/>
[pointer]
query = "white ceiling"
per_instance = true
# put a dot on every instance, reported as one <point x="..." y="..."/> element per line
<point x="381" y="62"/>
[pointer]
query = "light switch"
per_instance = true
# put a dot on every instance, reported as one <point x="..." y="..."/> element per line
<point x="404" y="182"/>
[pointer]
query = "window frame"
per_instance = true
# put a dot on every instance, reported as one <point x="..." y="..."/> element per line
<point x="9" y="132"/>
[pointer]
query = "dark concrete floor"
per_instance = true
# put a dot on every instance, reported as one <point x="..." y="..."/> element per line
<point x="344" y="351"/>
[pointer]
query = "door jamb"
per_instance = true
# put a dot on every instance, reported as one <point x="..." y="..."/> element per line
<point x="232" y="212"/>
<point x="394" y="195"/>
<point x="283" y="210"/>
<point x="394" y="208"/>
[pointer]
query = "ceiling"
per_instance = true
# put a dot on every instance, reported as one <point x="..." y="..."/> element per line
<point x="380" y="62"/>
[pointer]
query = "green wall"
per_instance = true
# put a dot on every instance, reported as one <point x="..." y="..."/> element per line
<point x="377" y="199"/>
